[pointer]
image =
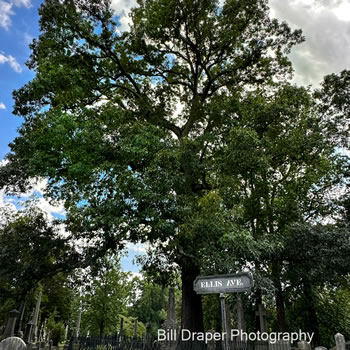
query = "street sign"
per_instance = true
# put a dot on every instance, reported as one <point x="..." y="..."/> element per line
<point x="233" y="283"/>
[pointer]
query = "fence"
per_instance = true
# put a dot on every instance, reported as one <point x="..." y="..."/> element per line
<point x="124" y="343"/>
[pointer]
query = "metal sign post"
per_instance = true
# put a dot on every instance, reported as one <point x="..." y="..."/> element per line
<point x="223" y="320"/>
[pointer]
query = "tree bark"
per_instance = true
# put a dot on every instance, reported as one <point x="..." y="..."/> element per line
<point x="192" y="314"/>
<point x="281" y="314"/>
<point x="311" y="312"/>
<point x="258" y="300"/>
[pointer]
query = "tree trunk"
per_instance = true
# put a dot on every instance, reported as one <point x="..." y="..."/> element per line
<point x="311" y="312"/>
<point x="192" y="314"/>
<point x="258" y="300"/>
<point x="281" y="315"/>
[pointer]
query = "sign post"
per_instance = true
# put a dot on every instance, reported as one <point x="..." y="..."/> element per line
<point x="223" y="320"/>
<point x="220" y="284"/>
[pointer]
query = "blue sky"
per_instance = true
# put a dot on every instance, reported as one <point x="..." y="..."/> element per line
<point x="17" y="29"/>
<point x="325" y="23"/>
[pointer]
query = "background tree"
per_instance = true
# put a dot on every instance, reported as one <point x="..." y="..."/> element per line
<point x="320" y="268"/>
<point x="57" y="298"/>
<point x="55" y="329"/>
<point x="105" y="299"/>
<point x="151" y="305"/>
<point x="276" y="168"/>
<point x="31" y="249"/>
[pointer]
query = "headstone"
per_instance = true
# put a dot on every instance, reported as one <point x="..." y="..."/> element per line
<point x="13" y="343"/>
<point x="340" y="341"/>
<point x="148" y="331"/>
<point x="19" y="323"/>
<point x="170" y="322"/>
<point x="304" y="345"/>
<point x="66" y="333"/>
<point x="28" y="332"/>
<point x="135" y="329"/>
<point x="11" y="323"/>
<point x="280" y="345"/>
<point x="35" y="318"/>
<point x="77" y="325"/>
<point x="121" y="326"/>
<point x="261" y="313"/>
<point x="44" y="332"/>
<point x="29" y="329"/>
<point x="148" y="337"/>
<point x="241" y="325"/>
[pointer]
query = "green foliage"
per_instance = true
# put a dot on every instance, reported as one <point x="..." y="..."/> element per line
<point x="333" y="102"/>
<point x="57" y="298"/>
<point x="332" y="307"/>
<point x="245" y="157"/>
<point x="31" y="249"/>
<point x="324" y="258"/>
<point x="56" y="329"/>
<point x="211" y="313"/>
<point x="105" y="298"/>
<point x="129" y="326"/>
<point x="129" y="167"/>
<point x="333" y="310"/>
<point x="151" y="305"/>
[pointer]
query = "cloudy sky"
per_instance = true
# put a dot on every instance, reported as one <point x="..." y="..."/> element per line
<point x="325" y="23"/>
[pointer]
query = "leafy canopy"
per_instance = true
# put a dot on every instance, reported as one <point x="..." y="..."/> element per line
<point x="127" y="127"/>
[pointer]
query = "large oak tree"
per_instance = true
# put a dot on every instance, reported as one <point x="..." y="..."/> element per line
<point x="126" y="127"/>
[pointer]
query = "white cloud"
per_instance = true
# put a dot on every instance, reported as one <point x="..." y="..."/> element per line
<point x="325" y="23"/>
<point x="3" y="162"/>
<point x="5" y="202"/>
<point x="326" y="49"/>
<point x="3" y="59"/>
<point x="37" y="191"/>
<point x="6" y="10"/>
<point x="11" y="61"/>
<point x="2" y="105"/>
<point x="343" y="11"/>
<point x="50" y="209"/>
<point x="5" y="13"/>
<point x="14" y="64"/>
<point x="28" y="38"/>
<point x="138" y="248"/>
<point x="122" y="9"/>
<point x="135" y="274"/>
<point x="22" y="3"/>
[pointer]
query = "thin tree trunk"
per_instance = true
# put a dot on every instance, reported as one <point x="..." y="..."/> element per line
<point x="311" y="311"/>
<point x="258" y="301"/>
<point x="281" y="314"/>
